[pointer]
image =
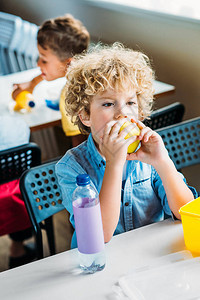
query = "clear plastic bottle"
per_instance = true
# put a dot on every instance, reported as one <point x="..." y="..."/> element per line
<point x="88" y="225"/>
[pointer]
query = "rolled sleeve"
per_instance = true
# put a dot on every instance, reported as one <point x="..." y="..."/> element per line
<point x="159" y="188"/>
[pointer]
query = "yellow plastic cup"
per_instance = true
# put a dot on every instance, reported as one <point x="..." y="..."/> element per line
<point x="190" y="216"/>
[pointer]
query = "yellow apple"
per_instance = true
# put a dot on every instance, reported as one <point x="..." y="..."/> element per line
<point x="135" y="131"/>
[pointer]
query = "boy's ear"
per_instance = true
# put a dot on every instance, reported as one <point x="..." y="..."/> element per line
<point x="84" y="117"/>
<point x="68" y="61"/>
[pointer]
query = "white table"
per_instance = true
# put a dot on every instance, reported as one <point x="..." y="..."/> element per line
<point x="163" y="89"/>
<point x="58" y="277"/>
<point x="42" y="116"/>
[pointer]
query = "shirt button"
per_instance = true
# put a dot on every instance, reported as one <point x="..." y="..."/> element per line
<point x="126" y="204"/>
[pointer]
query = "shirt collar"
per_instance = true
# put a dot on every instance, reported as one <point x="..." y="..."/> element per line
<point x="94" y="153"/>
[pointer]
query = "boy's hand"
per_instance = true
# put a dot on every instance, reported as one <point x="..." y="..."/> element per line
<point x="152" y="150"/>
<point x="26" y="86"/>
<point x="112" y="144"/>
<point x="19" y="87"/>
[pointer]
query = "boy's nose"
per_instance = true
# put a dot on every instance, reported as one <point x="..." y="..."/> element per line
<point x="119" y="114"/>
<point x="38" y="62"/>
<point x="119" y="117"/>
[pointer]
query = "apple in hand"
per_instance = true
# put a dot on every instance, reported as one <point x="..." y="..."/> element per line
<point x="135" y="131"/>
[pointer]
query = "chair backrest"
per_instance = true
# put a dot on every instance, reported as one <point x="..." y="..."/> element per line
<point x="31" y="53"/>
<point x="42" y="196"/>
<point x="183" y="142"/>
<point x="23" y="42"/>
<point x="27" y="52"/>
<point x="41" y="192"/>
<point x="10" y="34"/>
<point x="10" y="29"/>
<point x="14" y="161"/>
<point x="18" y="44"/>
<point x="166" y="116"/>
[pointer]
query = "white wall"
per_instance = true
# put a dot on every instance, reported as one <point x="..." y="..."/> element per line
<point x="173" y="44"/>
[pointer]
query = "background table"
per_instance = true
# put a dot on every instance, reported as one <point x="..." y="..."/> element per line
<point x="58" y="277"/>
<point x="43" y="116"/>
<point x="163" y="89"/>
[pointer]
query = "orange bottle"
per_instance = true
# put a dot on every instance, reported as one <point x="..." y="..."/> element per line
<point x="24" y="102"/>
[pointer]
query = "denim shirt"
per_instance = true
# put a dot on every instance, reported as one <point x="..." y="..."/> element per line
<point x="143" y="198"/>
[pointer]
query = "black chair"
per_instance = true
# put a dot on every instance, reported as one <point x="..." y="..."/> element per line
<point x="166" y="116"/>
<point x="183" y="142"/>
<point x="43" y="199"/>
<point x="14" y="161"/>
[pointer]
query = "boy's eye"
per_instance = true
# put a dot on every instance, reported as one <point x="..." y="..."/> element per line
<point x="108" y="104"/>
<point x="131" y="103"/>
<point x="44" y="61"/>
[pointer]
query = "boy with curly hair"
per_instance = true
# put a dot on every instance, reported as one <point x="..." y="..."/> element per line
<point x="58" y="40"/>
<point x="104" y="89"/>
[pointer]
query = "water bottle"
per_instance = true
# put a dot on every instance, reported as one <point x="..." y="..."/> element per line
<point x="88" y="226"/>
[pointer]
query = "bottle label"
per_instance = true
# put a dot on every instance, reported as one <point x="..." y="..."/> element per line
<point x="89" y="229"/>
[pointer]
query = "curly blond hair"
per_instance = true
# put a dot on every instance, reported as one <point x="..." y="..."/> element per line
<point x="104" y="67"/>
<point x="64" y="35"/>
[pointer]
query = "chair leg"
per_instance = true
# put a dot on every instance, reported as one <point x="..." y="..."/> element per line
<point x="50" y="235"/>
<point x="39" y="244"/>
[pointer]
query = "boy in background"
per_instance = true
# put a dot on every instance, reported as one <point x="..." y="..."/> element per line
<point x="58" y="40"/>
